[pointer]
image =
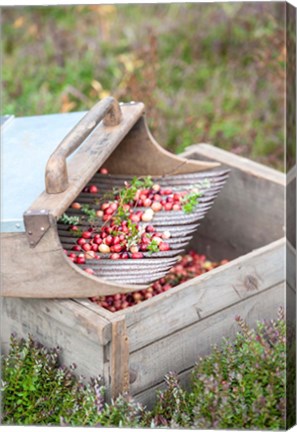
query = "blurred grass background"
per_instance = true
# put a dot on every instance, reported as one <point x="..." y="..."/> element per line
<point x="206" y="72"/>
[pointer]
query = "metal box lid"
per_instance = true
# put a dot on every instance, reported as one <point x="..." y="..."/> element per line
<point x="26" y="145"/>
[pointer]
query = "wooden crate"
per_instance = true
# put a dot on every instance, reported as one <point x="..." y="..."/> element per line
<point x="133" y="349"/>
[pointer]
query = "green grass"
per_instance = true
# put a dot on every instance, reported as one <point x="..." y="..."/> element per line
<point x="206" y="72"/>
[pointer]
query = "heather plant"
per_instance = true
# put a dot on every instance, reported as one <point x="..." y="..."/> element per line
<point x="36" y="390"/>
<point x="239" y="385"/>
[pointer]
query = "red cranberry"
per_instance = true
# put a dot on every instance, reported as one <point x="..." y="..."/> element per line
<point x="86" y="247"/>
<point x="116" y="240"/>
<point x="145" y="240"/>
<point x="93" y="189"/>
<point x="108" y="240"/>
<point x="86" y="235"/>
<point x="113" y="206"/>
<point x="76" y="206"/>
<point x="80" y="260"/>
<point x="156" y="206"/>
<point x="168" y="206"/>
<point x="109" y="211"/>
<point x="164" y="247"/>
<point x="137" y="255"/>
<point x="89" y="270"/>
<point x="116" y="248"/>
<point x="135" y="218"/>
<point x="124" y="255"/>
<point x="147" y="202"/>
<point x="114" y="256"/>
<point x="98" y="240"/>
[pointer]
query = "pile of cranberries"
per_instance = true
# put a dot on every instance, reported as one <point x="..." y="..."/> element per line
<point x="125" y="231"/>
<point x="188" y="267"/>
<point x="158" y="199"/>
<point x="113" y="242"/>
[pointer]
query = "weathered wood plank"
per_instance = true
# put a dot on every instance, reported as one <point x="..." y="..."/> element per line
<point x="91" y="155"/>
<point x="54" y="324"/>
<point x="249" y="211"/>
<point x="56" y="176"/>
<point x="119" y="358"/>
<point x="181" y="350"/>
<point x="291" y="206"/>
<point x="290" y="308"/>
<point x="205" y="295"/>
<point x="45" y="272"/>
<point x="152" y="159"/>
<point x="85" y="302"/>
<point x="291" y="265"/>
<point x="224" y="157"/>
<point x="148" y="396"/>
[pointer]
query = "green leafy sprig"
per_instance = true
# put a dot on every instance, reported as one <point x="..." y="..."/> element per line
<point x="190" y="201"/>
<point x="153" y="247"/>
<point x="126" y="195"/>
<point x="69" y="220"/>
<point x="76" y="233"/>
<point x="89" y="212"/>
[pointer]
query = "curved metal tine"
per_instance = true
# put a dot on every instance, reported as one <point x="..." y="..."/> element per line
<point x="176" y="230"/>
<point x="202" y="206"/>
<point x="93" y="205"/>
<point x="138" y="270"/>
<point x="180" y="216"/>
<point x="87" y="198"/>
<point x="174" y="246"/>
<point x="141" y="273"/>
<point x="108" y="187"/>
<point x="169" y="253"/>
<point x="132" y="262"/>
<point x="180" y="230"/>
<point x="135" y="280"/>
<point x="176" y="240"/>
<point x="202" y="174"/>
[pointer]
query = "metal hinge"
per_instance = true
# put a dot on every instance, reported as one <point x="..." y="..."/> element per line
<point x="37" y="222"/>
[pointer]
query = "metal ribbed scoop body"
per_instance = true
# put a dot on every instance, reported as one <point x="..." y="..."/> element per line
<point x="181" y="225"/>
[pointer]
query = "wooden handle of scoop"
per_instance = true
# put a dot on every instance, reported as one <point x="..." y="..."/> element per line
<point x="56" y="176"/>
